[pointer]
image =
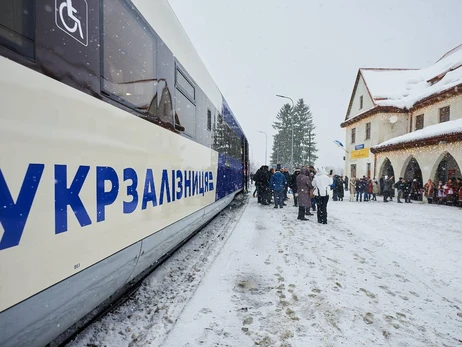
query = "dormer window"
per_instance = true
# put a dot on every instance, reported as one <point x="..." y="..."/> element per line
<point x="361" y="102"/>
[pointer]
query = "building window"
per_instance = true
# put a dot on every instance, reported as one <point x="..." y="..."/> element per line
<point x="353" y="170"/>
<point x="17" y="26"/>
<point x="419" y="122"/>
<point x="361" y="102"/>
<point x="368" y="131"/>
<point x="353" y="135"/>
<point x="444" y="114"/>
<point x="410" y="123"/>
<point x="209" y="120"/>
<point x="129" y="58"/>
<point x="368" y="170"/>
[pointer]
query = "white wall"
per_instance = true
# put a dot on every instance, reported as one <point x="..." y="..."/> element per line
<point x="381" y="130"/>
<point x="432" y="114"/>
<point x="367" y="101"/>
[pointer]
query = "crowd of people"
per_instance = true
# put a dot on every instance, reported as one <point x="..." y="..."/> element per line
<point x="309" y="193"/>
<point x="367" y="189"/>
<point x="309" y="188"/>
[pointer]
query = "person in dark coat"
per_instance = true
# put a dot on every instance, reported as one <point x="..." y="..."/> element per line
<point x="400" y="185"/>
<point x="359" y="189"/>
<point x="258" y="177"/>
<point x="293" y="185"/>
<point x="387" y="188"/>
<point x="334" y="188"/>
<point x="339" y="186"/>
<point x="277" y="184"/>
<point x="407" y="191"/>
<point x="346" y="181"/>
<point x="266" y="197"/>
<point x="382" y="184"/>
<point x="303" y="189"/>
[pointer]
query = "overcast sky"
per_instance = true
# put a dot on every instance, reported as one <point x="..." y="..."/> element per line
<point x="255" y="49"/>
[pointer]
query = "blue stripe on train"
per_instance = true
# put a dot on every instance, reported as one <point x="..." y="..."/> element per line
<point x="229" y="178"/>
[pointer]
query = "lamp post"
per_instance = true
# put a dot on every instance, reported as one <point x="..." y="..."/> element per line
<point x="266" y="145"/>
<point x="293" y="114"/>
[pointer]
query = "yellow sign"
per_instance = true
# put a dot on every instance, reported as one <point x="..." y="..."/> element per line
<point x="361" y="153"/>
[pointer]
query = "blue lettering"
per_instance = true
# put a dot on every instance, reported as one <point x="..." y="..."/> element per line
<point x="173" y="185"/>
<point x="13" y="216"/>
<point x="187" y="183"/>
<point x="149" y="190"/>
<point x="210" y="180"/>
<point x="195" y="186"/>
<point x="201" y="182"/>
<point x="206" y="180"/>
<point x="164" y="188"/>
<point x="103" y="198"/>
<point x="130" y="174"/>
<point x="69" y="196"/>
<point x="179" y="191"/>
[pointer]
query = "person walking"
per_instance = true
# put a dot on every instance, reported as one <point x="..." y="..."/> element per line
<point x="303" y="189"/>
<point x="277" y="184"/>
<point x="321" y="183"/>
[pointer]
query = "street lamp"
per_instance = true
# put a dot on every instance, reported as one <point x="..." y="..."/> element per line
<point x="266" y="145"/>
<point x="293" y="114"/>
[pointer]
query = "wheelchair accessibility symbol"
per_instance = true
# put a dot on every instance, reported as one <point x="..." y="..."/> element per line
<point x="71" y="16"/>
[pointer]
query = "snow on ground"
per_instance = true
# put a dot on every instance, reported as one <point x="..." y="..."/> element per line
<point x="149" y="315"/>
<point x="376" y="275"/>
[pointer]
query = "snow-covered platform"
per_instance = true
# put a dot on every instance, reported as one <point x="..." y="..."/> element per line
<point x="376" y="275"/>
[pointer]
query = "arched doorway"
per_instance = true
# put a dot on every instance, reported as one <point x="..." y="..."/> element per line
<point x="447" y="168"/>
<point x="413" y="175"/>
<point x="387" y="169"/>
<point x="413" y="171"/>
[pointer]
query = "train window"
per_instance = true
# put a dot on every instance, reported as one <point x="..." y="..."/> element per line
<point x="129" y="57"/>
<point x="184" y="85"/>
<point x="185" y="115"/>
<point x="209" y="120"/>
<point x="17" y="26"/>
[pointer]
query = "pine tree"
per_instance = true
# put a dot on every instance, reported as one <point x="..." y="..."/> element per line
<point x="304" y="151"/>
<point x="282" y="140"/>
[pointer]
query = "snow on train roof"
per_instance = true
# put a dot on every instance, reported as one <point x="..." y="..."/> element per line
<point x="446" y="128"/>
<point x="166" y="24"/>
<point x="403" y="88"/>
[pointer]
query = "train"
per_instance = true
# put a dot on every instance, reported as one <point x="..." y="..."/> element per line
<point x="116" y="146"/>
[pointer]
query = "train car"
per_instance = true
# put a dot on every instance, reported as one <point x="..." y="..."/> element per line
<point x="115" y="146"/>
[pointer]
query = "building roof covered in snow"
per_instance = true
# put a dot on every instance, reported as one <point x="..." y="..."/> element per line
<point x="448" y="132"/>
<point x="403" y="89"/>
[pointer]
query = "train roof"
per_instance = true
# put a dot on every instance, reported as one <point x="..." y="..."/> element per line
<point x="164" y="21"/>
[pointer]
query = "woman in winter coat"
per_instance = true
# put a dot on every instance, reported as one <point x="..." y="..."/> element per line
<point x="375" y="189"/>
<point x="321" y="183"/>
<point x="429" y="191"/>
<point x="352" y="188"/>
<point x="303" y="190"/>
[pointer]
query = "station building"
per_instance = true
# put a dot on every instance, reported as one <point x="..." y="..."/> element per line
<point x="406" y="122"/>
